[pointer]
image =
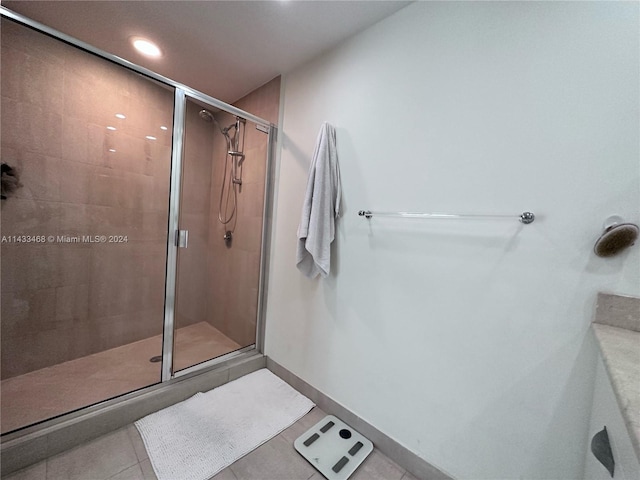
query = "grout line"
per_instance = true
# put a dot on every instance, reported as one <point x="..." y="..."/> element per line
<point x="231" y="469"/>
<point x="129" y="427"/>
<point x="232" y="472"/>
<point x="126" y="468"/>
<point x="131" y="445"/>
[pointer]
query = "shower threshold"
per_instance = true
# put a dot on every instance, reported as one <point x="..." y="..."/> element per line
<point x="59" y="389"/>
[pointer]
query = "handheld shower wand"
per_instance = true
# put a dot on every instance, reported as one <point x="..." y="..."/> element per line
<point x="232" y="182"/>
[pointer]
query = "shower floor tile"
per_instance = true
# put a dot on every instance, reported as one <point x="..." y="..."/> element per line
<point x="121" y="455"/>
<point x="52" y="391"/>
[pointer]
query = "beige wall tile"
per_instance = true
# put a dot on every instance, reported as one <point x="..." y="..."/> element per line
<point x="234" y="271"/>
<point x="27" y="267"/>
<point x="22" y="216"/>
<point x="32" y="43"/>
<point x="72" y="302"/>
<point x="37" y="81"/>
<point x="39" y="176"/>
<point x="31" y="127"/>
<point x="76" y="181"/>
<point x="264" y="101"/>
<point x="57" y="102"/>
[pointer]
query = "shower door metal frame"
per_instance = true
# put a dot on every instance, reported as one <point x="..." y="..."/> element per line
<point x="181" y="93"/>
<point x="180" y="105"/>
<point x="177" y="146"/>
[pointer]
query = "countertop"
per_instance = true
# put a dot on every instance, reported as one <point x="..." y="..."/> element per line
<point x="620" y="349"/>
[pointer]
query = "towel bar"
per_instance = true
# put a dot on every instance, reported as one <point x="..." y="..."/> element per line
<point x="525" y="217"/>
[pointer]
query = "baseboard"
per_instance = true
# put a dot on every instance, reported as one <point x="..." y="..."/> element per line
<point x="34" y="444"/>
<point x="388" y="446"/>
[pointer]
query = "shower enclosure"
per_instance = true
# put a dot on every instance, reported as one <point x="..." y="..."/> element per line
<point x="129" y="256"/>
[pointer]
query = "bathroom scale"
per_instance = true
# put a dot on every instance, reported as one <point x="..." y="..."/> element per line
<point x="333" y="448"/>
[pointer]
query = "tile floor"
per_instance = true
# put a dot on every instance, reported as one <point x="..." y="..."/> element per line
<point x="121" y="456"/>
<point x="62" y="388"/>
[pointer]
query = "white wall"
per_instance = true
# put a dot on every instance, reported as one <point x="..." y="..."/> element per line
<point x="466" y="341"/>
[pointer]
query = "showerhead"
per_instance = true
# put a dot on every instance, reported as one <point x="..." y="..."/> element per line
<point x="615" y="239"/>
<point x="206" y="115"/>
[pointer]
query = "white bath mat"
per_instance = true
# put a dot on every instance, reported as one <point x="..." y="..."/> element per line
<point x="195" y="439"/>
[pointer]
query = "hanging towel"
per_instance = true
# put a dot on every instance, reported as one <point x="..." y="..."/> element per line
<point x="321" y="207"/>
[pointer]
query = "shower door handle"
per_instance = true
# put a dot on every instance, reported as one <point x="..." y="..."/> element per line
<point x="182" y="238"/>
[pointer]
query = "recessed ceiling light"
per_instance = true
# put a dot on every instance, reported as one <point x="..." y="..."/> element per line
<point x="111" y="128"/>
<point x="146" y="47"/>
<point x="112" y="150"/>
<point x="120" y="115"/>
<point x="150" y="137"/>
<point x="162" y="127"/>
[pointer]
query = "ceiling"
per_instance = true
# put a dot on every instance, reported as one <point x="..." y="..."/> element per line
<point x="223" y="48"/>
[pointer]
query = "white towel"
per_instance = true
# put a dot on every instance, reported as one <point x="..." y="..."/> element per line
<point x="321" y="207"/>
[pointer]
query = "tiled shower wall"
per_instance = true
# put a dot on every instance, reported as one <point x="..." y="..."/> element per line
<point x="65" y="300"/>
<point x="234" y="270"/>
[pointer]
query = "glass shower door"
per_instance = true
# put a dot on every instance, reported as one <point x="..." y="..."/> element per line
<point x="221" y="215"/>
<point x="87" y="144"/>
<point x="99" y="170"/>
